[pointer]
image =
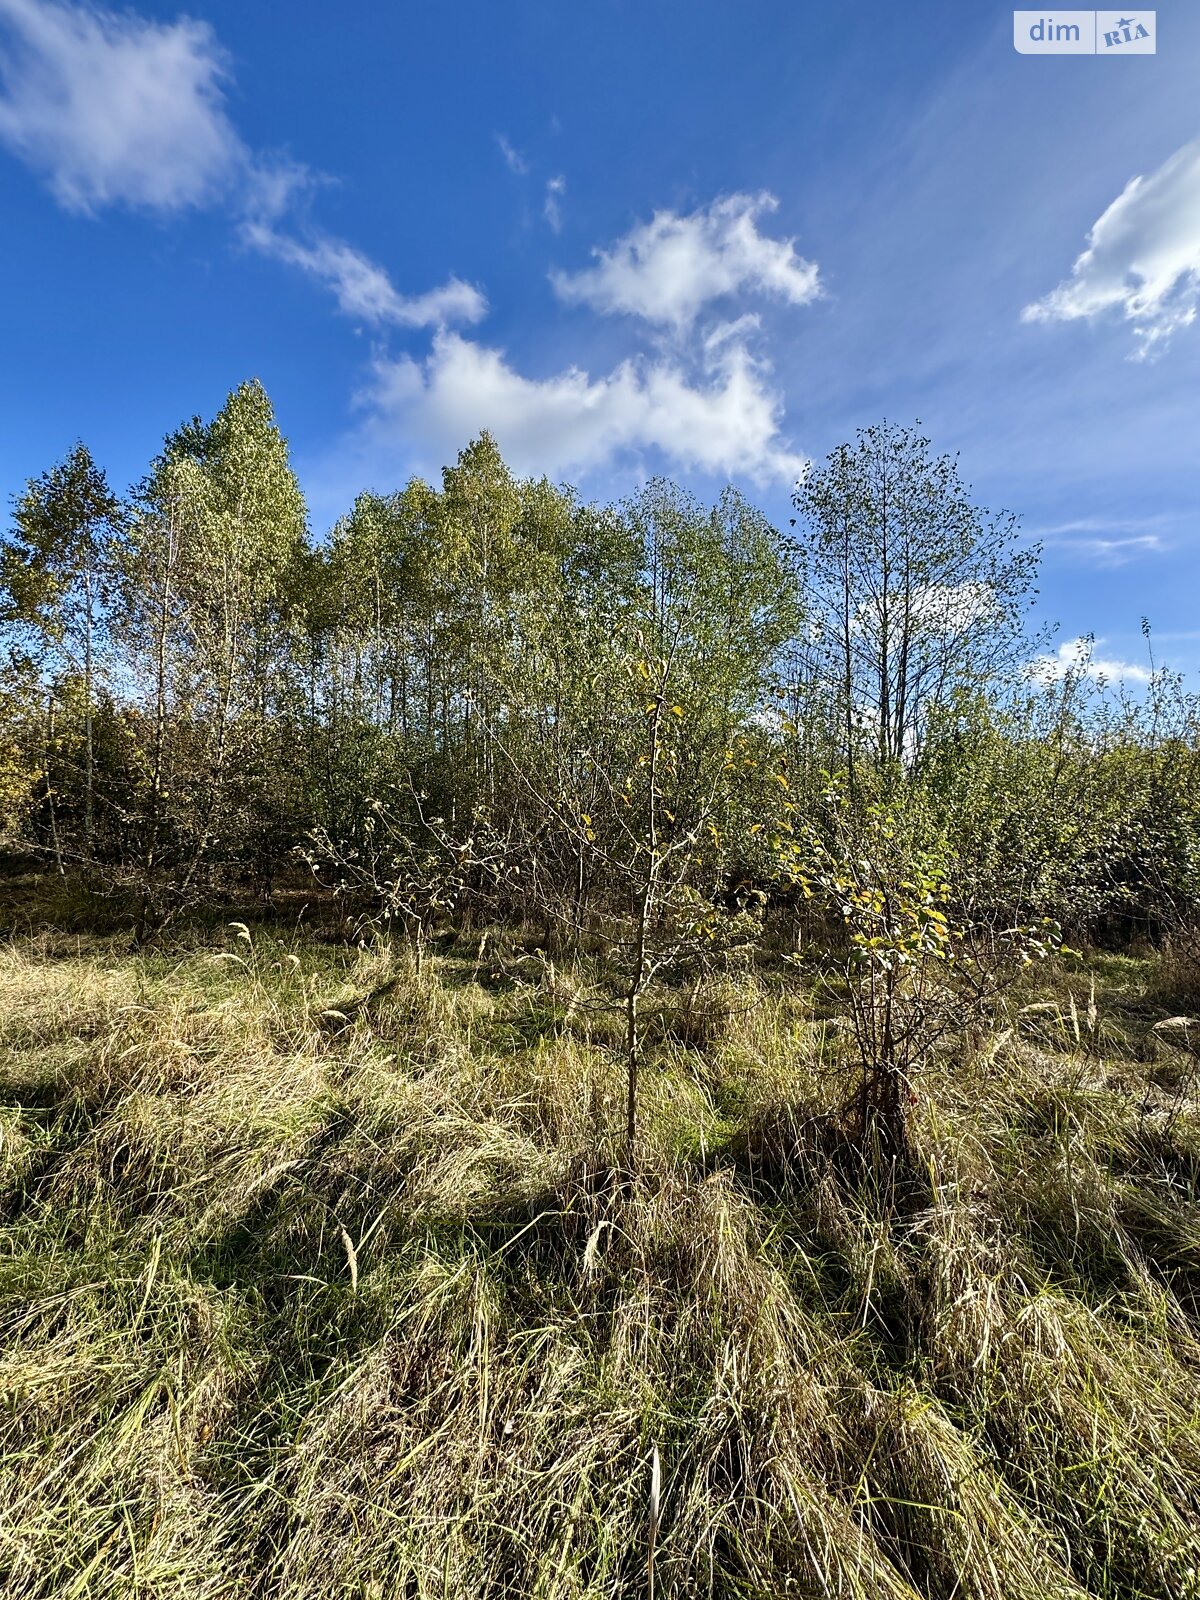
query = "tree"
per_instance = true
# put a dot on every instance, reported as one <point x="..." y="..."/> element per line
<point x="216" y="548"/>
<point x="56" y="577"/>
<point x="642" y="782"/>
<point x="917" y="592"/>
<point x="22" y="747"/>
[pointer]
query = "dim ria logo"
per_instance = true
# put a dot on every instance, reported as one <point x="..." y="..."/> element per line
<point x="1084" y="33"/>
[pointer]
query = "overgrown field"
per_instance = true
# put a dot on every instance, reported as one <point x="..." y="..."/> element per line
<point x="317" y="1279"/>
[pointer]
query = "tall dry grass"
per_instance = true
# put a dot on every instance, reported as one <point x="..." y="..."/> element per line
<point x="320" y="1278"/>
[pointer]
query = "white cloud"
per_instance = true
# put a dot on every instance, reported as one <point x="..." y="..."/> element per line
<point x="728" y="423"/>
<point x="725" y="333"/>
<point x="117" y="110"/>
<point x="275" y="187"/>
<point x="552" y="206"/>
<point x="1104" y="542"/>
<point x="1113" y="552"/>
<point x="1078" y="657"/>
<point x="1142" y="257"/>
<point x="362" y="287"/>
<point x="668" y="269"/>
<point x="114" y="109"/>
<point x="513" y="159"/>
<point x="953" y="607"/>
<point x="708" y="405"/>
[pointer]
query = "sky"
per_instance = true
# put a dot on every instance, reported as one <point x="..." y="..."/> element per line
<point x="708" y="240"/>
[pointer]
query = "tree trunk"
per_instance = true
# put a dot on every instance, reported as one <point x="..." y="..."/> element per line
<point x="631" y="1068"/>
<point x="89" y="770"/>
<point x="54" y="839"/>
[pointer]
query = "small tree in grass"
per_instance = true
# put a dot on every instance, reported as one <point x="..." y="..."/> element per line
<point x="644" y="810"/>
<point x="656" y="859"/>
<point x="918" y="965"/>
<point x="621" y="726"/>
<point x="655" y="746"/>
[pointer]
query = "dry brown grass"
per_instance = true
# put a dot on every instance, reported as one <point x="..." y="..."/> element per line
<point x="319" y="1278"/>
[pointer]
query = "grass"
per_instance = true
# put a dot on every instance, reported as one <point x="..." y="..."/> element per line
<point x="316" y="1280"/>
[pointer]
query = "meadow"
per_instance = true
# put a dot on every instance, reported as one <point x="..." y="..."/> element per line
<point x="323" y="1274"/>
<point x="555" y="1050"/>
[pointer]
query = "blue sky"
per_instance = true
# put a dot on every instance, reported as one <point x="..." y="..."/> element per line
<point x="709" y="240"/>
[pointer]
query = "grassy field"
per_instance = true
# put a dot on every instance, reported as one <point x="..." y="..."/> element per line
<point x="316" y="1281"/>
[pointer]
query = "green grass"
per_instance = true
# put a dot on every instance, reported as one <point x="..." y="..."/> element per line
<point x="317" y="1280"/>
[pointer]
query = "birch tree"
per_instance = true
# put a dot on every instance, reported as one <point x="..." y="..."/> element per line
<point x="218" y="540"/>
<point x="917" y="592"/>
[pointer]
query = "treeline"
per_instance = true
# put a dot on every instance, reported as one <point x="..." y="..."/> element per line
<point x="493" y="697"/>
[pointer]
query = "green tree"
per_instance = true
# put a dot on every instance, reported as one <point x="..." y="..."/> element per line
<point x="642" y="784"/>
<point x="216" y="555"/>
<point x="56" y="577"/>
<point x="22" y="747"/>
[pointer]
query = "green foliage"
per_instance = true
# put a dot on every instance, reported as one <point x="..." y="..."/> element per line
<point x="56" y="581"/>
<point x="21" y="749"/>
<point x="56" y="565"/>
<point x="205" y="586"/>
<point x="196" y="688"/>
<point x="895" y="912"/>
<point x="1065" y="802"/>
<point x="919" y="962"/>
